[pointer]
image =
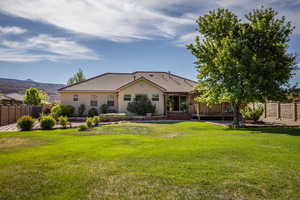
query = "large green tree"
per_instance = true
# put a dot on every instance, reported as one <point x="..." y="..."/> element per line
<point x="242" y="61"/>
<point x="36" y="97"/>
<point x="77" y="77"/>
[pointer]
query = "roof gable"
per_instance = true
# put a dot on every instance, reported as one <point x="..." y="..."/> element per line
<point x="139" y="80"/>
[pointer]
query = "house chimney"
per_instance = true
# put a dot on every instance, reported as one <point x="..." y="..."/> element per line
<point x="169" y="74"/>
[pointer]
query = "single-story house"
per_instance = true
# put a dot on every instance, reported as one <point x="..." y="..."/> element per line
<point x="170" y="93"/>
<point x="11" y="98"/>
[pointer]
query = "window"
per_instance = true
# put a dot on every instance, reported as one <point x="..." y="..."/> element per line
<point x="94" y="100"/>
<point x="110" y="100"/>
<point x="155" y="97"/>
<point x="127" y="97"/>
<point x="75" y="97"/>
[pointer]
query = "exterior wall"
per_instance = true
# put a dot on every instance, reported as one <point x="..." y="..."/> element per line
<point x="141" y="87"/>
<point x="66" y="98"/>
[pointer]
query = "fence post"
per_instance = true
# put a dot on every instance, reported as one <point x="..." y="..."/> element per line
<point x="8" y="114"/>
<point x="295" y="111"/>
<point x="0" y="115"/>
<point x="278" y="111"/>
<point x="16" y="108"/>
<point x="265" y="110"/>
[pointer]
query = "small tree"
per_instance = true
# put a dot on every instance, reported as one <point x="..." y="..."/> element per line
<point x="35" y="97"/>
<point x="77" y="77"/>
<point x="242" y="62"/>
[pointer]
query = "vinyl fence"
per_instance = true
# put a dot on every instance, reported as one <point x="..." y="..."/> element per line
<point x="11" y="113"/>
<point x="282" y="111"/>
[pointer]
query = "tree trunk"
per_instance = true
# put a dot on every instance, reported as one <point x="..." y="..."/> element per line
<point x="236" y="116"/>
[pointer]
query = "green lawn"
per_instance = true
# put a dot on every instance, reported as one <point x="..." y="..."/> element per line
<point x="187" y="160"/>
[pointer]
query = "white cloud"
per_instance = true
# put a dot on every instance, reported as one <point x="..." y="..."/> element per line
<point x="12" y="55"/>
<point x="111" y="20"/>
<point x="5" y="30"/>
<point x="187" y="38"/>
<point x="43" y="47"/>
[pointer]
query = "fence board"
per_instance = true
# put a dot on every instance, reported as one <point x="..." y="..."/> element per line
<point x="286" y="111"/>
<point x="272" y="110"/>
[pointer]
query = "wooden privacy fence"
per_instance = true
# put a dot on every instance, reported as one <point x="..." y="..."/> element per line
<point x="203" y="109"/>
<point x="11" y="113"/>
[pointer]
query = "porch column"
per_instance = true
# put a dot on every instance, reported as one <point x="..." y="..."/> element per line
<point x="165" y="103"/>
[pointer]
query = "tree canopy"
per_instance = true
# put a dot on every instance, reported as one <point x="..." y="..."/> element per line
<point x="77" y="77"/>
<point x="34" y="96"/>
<point x="242" y="61"/>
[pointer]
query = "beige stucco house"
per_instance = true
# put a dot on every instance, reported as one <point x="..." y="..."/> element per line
<point x="170" y="93"/>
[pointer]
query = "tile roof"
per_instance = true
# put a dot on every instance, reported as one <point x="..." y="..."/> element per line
<point x="114" y="81"/>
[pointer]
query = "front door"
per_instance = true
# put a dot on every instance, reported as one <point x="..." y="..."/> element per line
<point x="176" y="103"/>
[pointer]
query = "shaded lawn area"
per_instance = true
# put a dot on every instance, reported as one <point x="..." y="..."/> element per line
<point x="186" y="160"/>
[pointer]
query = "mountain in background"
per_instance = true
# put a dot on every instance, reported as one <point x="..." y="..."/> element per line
<point x="19" y="86"/>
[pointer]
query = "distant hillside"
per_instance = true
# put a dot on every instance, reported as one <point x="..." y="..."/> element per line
<point x="19" y="86"/>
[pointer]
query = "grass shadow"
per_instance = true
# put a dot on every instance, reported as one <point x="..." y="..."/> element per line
<point x="161" y="122"/>
<point x="293" y="131"/>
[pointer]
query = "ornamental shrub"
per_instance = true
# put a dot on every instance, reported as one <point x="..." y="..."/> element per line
<point x="93" y="112"/>
<point x="89" y="122"/>
<point x="47" y="122"/>
<point x="82" y="127"/>
<point x="25" y="123"/>
<point x="63" y="121"/>
<point x="81" y="110"/>
<point x="250" y="113"/>
<point x="57" y="110"/>
<point x="68" y="110"/>
<point x="97" y="120"/>
<point x="104" y="108"/>
<point x="141" y="106"/>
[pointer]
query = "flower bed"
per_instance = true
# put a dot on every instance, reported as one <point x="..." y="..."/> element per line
<point x="112" y="117"/>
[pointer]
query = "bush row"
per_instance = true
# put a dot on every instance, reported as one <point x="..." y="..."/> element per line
<point x="68" y="110"/>
<point x="47" y="122"/>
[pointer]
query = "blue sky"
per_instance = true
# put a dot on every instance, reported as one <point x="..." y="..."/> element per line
<point x="48" y="41"/>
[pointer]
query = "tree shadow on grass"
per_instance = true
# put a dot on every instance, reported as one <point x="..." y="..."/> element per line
<point x="293" y="131"/>
<point x="161" y="122"/>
